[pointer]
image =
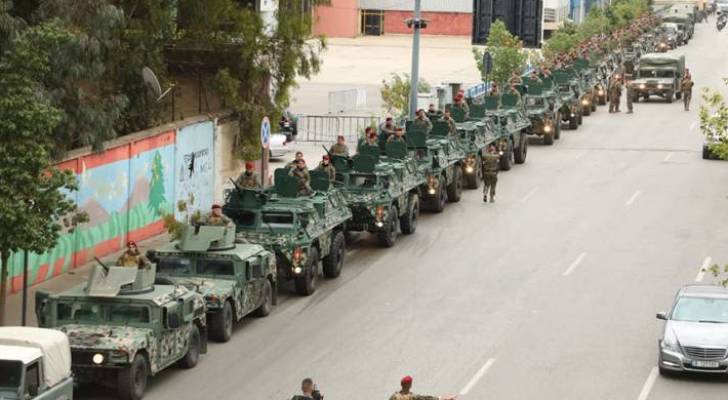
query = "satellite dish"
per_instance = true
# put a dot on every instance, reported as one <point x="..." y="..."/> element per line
<point x="152" y="83"/>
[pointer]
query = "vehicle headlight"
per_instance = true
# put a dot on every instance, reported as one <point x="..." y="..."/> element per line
<point x="659" y="86"/>
<point x="432" y="183"/>
<point x="643" y="86"/>
<point x="669" y="342"/>
<point x="547" y="128"/>
<point x="379" y="224"/>
<point x="601" y="92"/>
<point x="469" y="169"/>
<point x="98" y="358"/>
<point x="297" y="270"/>
<point x="585" y="102"/>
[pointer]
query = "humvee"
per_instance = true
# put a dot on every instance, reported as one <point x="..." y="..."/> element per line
<point x="236" y="279"/>
<point x="122" y="327"/>
<point x="306" y="232"/>
<point x="658" y="74"/>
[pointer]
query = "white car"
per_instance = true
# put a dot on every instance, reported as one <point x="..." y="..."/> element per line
<point x="279" y="145"/>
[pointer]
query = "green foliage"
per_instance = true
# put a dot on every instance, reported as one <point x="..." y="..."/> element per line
<point x="156" y="191"/>
<point x="625" y="11"/>
<point x="719" y="273"/>
<point x="32" y="197"/>
<point x="395" y="93"/>
<point x="713" y="116"/>
<point x="507" y="52"/>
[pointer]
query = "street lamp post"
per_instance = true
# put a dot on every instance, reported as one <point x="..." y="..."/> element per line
<point x="416" y="23"/>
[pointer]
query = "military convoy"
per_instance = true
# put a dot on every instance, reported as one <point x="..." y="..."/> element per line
<point x="658" y="75"/>
<point x="123" y="327"/>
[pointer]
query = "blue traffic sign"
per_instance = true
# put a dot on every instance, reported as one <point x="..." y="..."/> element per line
<point x="265" y="133"/>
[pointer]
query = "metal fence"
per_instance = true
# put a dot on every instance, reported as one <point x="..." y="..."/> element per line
<point x="325" y="128"/>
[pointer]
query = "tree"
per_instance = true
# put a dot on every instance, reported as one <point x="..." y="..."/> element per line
<point x="714" y="121"/>
<point x="32" y="196"/>
<point x="156" y="185"/>
<point x="396" y="93"/>
<point x="507" y="52"/>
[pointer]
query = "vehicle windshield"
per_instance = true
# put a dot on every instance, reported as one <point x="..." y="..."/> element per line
<point x="700" y="309"/>
<point x="10" y="374"/>
<point x="363" y="181"/>
<point x="278" y="219"/>
<point x="215" y="267"/>
<point x="534" y="101"/>
<point x="81" y="312"/>
<point x="174" y="266"/>
<point x="657" y="73"/>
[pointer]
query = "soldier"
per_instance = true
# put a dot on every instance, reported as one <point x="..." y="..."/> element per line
<point x="294" y="163"/>
<point x="398" y="136"/>
<point x="515" y="79"/>
<point x="308" y="391"/>
<point x="132" y="257"/>
<point x="615" y="93"/>
<point x="490" y="172"/>
<point x="304" y="179"/>
<point x="630" y="94"/>
<point x="405" y="394"/>
<point x="450" y="123"/>
<point x="249" y="179"/>
<point x="462" y="105"/>
<point x="686" y="86"/>
<point x="422" y="121"/>
<point x="340" y="148"/>
<point x="386" y="130"/>
<point x="494" y="91"/>
<point x="216" y="217"/>
<point x="325" y="166"/>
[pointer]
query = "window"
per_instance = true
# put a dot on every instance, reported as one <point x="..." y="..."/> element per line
<point x="10" y="374"/>
<point x="698" y="309"/>
<point x="129" y="313"/>
<point x="215" y="267"/>
<point x="363" y="181"/>
<point x="80" y="312"/>
<point x="278" y="219"/>
<point x="175" y="265"/>
<point x="32" y="380"/>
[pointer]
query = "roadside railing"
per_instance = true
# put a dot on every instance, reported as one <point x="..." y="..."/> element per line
<point x="325" y="128"/>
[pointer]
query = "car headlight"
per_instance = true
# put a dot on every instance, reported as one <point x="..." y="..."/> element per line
<point x="469" y="169"/>
<point x="669" y="342"/>
<point x="585" y="102"/>
<point x="643" y="86"/>
<point x="659" y="86"/>
<point x="547" y="128"/>
<point x="601" y="92"/>
<point x="98" y="358"/>
<point x="297" y="270"/>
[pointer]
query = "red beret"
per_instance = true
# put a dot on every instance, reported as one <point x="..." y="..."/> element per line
<point x="326" y="157"/>
<point x="131" y="243"/>
<point x="249" y="165"/>
<point x="407" y="380"/>
<point x="372" y="134"/>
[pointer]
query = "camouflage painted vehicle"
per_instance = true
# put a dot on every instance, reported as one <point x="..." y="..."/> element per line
<point x="476" y="133"/>
<point x="586" y="80"/>
<point x="122" y="327"/>
<point x="658" y="74"/>
<point x="236" y="279"/>
<point x="542" y="108"/>
<point x="306" y="232"/>
<point x="569" y="91"/>
<point x="382" y="191"/>
<point x="511" y="121"/>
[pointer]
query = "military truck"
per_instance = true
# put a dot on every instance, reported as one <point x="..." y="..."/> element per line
<point x="511" y="122"/>
<point x="476" y="133"/>
<point x="122" y="327"/>
<point x="658" y="74"/>
<point x="685" y="22"/>
<point x="35" y="364"/>
<point x="236" y="279"/>
<point x="675" y="33"/>
<point x="305" y="231"/>
<point x="542" y="108"/>
<point x="569" y="91"/>
<point x="382" y="191"/>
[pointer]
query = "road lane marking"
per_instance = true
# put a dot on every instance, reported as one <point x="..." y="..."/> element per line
<point x="647" y="387"/>
<point x="478" y="375"/>
<point x="574" y="264"/>
<point x="578" y="156"/>
<point x="633" y="198"/>
<point x="694" y="125"/>
<point x="667" y="157"/>
<point x="528" y="195"/>
<point x="703" y="269"/>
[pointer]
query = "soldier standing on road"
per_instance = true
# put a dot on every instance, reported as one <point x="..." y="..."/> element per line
<point x="292" y="164"/>
<point x="216" y="217"/>
<point x="132" y="257"/>
<point x="304" y="179"/>
<point x="615" y="93"/>
<point x="308" y="391"/>
<point x="630" y="94"/>
<point x="249" y="179"/>
<point x="490" y="172"/>
<point x="340" y="148"/>
<point x="422" y="121"/>
<point x="405" y="394"/>
<point x="325" y="166"/>
<point x="686" y="86"/>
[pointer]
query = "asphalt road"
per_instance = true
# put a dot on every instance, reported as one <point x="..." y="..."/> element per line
<point x="550" y="293"/>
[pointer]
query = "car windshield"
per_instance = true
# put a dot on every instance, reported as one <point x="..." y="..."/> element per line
<point x="174" y="266"/>
<point x="656" y="73"/>
<point x="700" y="309"/>
<point x="215" y="267"/>
<point x="94" y="313"/>
<point x="10" y="373"/>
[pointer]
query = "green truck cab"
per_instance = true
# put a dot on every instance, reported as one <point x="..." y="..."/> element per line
<point x="35" y="364"/>
<point x="381" y="191"/>
<point x="123" y="328"/>
<point x="511" y="123"/>
<point x="658" y="75"/>
<point x="236" y="279"/>
<point x="543" y="110"/>
<point x="306" y="232"/>
<point x="570" y="93"/>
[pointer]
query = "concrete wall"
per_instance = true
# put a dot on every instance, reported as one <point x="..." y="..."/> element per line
<point x="340" y="19"/>
<point x="440" y="23"/>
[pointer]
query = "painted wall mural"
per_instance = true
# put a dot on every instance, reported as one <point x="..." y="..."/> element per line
<point x="195" y="168"/>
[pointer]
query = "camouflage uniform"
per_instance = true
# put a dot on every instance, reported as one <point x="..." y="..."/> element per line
<point x="132" y="259"/>
<point x="212" y="220"/>
<point x="411" y="396"/>
<point x="490" y="174"/>
<point x="248" y="180"/>
<point x="329" y="169"/>
<point x="615" y="93"/>
<point x="339" y="150"/>
<point x="395" y="139"/>
<point x="462" y="105"/>
<point x="686" y="86"/>
<point x="304" y="180"/>
<point x="451" y="125"/>
<point x="630" y="93"/>
<point x="423" y="122"/>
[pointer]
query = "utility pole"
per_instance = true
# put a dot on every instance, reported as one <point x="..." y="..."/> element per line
<point x="417" y="24"/>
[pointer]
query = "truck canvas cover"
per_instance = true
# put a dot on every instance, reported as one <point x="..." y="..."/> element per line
<point x="52" y="344"/>
<point x="658" y="60"/>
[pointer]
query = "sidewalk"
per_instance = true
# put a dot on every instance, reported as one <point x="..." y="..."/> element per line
<point x="13" y="307"/>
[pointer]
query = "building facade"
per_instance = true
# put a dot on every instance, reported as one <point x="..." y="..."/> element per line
<point x="555" y="13"/>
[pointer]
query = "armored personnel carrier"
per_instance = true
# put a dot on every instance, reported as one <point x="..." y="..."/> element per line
<point x="569" y="91"/>
<point x="542" y="107"/>
<point x="509" y="116"/>
<point x="236" y="279"/>
<point x="306" y="232"/>
<point x="476" y="133"/>
<point x="123" y="328"/>
<point x="382" y="191"/>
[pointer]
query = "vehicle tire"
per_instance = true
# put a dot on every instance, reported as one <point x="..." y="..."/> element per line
<point x="580" y="118"/>
<point x="221" y="323"/>
<point x="438" y="203"/>
<point x="666" y="372"/>
<point x="593" y="106"/>
<point x="388" y="237"/>
<point x="548" y="139"/>
<point x="573" y="123"/>
<point x="306" y="285"/>
<point x="645" y="97"/>
<point x="506" y="160"/>
<point x="193" y="351"/>
<point x="408" y="223"/>
<point x="669" y="97"/>
<point x="334" y="262"/>
<point x="267" y="306"/>
<point x="455" y="188"/>
<point x="132" y="381"/>
<point x="678" y="95"/>
<point x="557" y="127"/>
<point x="521" y="152"/>
<point x="603" y="100"/>
<point x="470" y="181"/>
<point x="636" y="98"/>
<point x="586" y="112"/>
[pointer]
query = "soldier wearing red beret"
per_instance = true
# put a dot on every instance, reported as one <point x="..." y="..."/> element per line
<point x="249" y="179"/>
<point x="405" y="393"/>
<point x="132" y="257"/>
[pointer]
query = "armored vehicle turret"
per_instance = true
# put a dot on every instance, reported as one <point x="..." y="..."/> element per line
<point x="306" y="232"/>
<point x="123" y="328"/>
<point x="236" y="279"/>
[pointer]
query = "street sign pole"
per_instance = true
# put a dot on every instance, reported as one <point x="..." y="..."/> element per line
<point x="414" y="83"/>
<point x="25" y="289"/>
<point x="264" y="152"/>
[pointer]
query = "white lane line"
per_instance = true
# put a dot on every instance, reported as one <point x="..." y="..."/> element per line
<point x="703" y="269"/>
<point x="667" y="157"/>
<point x="478" y="376"/>
<point x="578" y="156"/>
<point x="647" y="387"/>
<point x="528" y="195"/>
<point x="694" y="125"/>
<point x="633" y="198"/>
<point x="574" y="264"/>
